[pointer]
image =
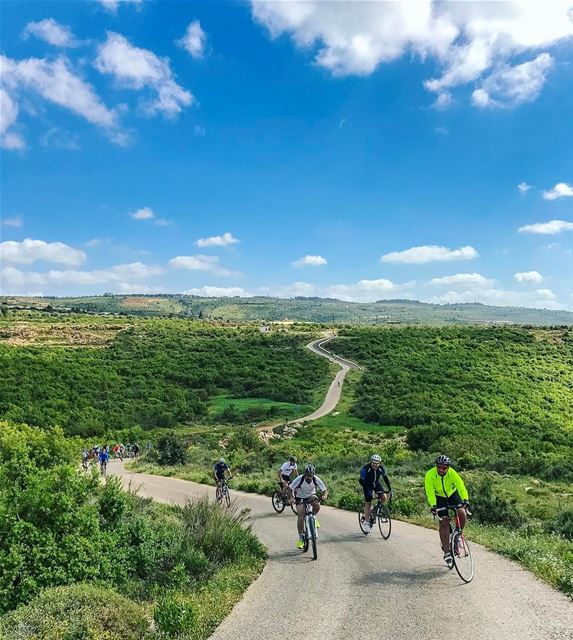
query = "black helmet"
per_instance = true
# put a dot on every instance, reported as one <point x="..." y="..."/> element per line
<point x="292" y="459"/>
<point x="309" y="470"/>
<point x="443" y="460"/>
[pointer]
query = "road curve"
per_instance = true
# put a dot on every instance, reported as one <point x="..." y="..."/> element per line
<point x="365" y="587"/>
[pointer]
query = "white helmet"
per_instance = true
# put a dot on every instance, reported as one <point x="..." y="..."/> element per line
<point x="376" y="458"/>
<point x="221" y="459"/>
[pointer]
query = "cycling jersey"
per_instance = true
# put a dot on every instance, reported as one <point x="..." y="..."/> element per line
<point x="287" y="468"/>
<point x="444" y="486"/>
<point x="103" y="457"/>
<point x="220" y="469"/>
<point x="305" y="489"/>
<point x="370" y="477"/>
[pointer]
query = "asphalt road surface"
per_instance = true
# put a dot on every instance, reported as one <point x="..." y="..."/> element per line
<point x="365" y="587"/>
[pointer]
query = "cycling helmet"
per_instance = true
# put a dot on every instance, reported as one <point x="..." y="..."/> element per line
<point x="376" y="458"/>
<point x="309" y="470"/>
<point x="292" y="459"/>
<point x="221" y="459"/>
<point x="443" y="460"/>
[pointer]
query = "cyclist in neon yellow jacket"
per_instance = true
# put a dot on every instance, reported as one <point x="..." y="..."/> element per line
<point x="445" y="488"/>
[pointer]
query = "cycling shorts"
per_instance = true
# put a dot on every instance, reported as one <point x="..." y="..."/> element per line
<point x="451" y="501"/>
<point x="285" y="478"/>
<point x="369" y="492"/>
<point x="305" y="500"/>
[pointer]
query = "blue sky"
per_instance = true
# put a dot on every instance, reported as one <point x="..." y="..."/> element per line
<point x="355" y="150"/>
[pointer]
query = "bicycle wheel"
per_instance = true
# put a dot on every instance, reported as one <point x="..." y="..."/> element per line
<point x="361" y="521"/>
<point x="278" y="504"/>
<point x="313" y="538"/>
<point x="462" y="555"/>
<point x="384" y="521"/>
<point x="218" y="495"/>
<point x="227" y="496"/>
<point x="293" y="508"/>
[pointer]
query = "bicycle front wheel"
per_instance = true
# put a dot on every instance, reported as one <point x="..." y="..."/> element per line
<point x="361" y="521"/>
<point x="312" y="533"/>
<point x="462" y="555"/>
<point x="278" y="504"/>
<point x="384" y="522"/>
<point x="218" y="495"/>
<point x="227" y="497"/>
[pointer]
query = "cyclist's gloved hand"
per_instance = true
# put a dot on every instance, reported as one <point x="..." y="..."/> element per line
<point x="434" y="510"/>
<point x="465" y="504"/>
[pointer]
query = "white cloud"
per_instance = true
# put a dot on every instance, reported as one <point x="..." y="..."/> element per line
<point x="55" y="82"/>
<point x="511" y="86"/>
<point x="113" y="5"/>
<point x="137" y="68"/>
<point x="443" y="100"/>
<point x="464" y="279"/>
<point x="467" y="40"/>
<point x="194" y="40"/>
<point x="55" y="138"/>
<point x="29" y="251"/>
<point x="163" y="222"/>
<point x="524" y="187"/>
<point x="546" y="294"/>
<point x="51" y="32"/>
<point x="15" y="222"/>
<point x="218" y="292"/>
<point x="303" y="289"/>
<point x="199" y="131"/>
<point x="217" y="241"/>
<point x="200" y="263"/>
<point x="312" y="261"/>
<point x="528" y="276"/>
<point x="547" y="228"/>
<point x="145" y="213"/>
<point x="430" y="253"/>
<point x="560" y="190"/>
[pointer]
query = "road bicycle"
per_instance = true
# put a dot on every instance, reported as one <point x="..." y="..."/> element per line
<point x="310" y="530"/>
<point x="103" y="468"/>
<point x="222" y="494"/>
<point x="462" y="558"/>
<point x="280" y="499"/>
<point x="379" y="513"/>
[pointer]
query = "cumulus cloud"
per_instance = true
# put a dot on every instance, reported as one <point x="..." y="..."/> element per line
<point x="539" y="298"/>
<point x="194" y="40"/>
<point x="15" y="222"/>
<point x="55" y="82"/>
<point x="145" y="213"/>
<point x="560" y="190"/>
<point x="546" y="294"/>
<point x="369" y="290"/>
<point x="528" y="276"/>
<point x="511" y="86"/>
<point x="463" y="279"/>
<point x="309" y="261"/>
<point x="303" y="289"/>
<point x="218" y="292"/>
<point x="51" y="32"/>
<point x="523" y="187"/>
<point x="136" y="68"/>
<point x="113" y="5"/>
<point x="547" y="228"/>
<point x="467" y="40"/>
<point x="430" y="253"/>
<point x="29" y="251"/>
<point x="200" y="263"/>
<point x="218" y="241"/>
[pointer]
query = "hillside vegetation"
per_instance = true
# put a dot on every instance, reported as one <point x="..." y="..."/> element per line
<point x="152" y="373"/>
<point x="321" y="310"/>
<point x="493" y="398"/>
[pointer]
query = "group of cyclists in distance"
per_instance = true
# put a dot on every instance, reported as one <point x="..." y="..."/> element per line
<point x="444" y="489"/>
<point x="102" y="453"/>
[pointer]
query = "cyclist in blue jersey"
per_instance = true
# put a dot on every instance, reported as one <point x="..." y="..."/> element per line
<point x="370" y="475"/>
<point x="220" y="471"/>
<point x="104" y="459"/>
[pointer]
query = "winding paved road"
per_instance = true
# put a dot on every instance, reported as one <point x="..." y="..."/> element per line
<point x="368" y="588"/>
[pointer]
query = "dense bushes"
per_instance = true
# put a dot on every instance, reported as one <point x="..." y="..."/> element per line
<point x="155" y="373"/>
<point x="170" y="450"/>
<point x="496" y="397"/>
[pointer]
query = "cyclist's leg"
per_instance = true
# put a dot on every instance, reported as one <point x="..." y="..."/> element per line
<point x="300" y="520"/>
<point x="442" y="504"/>
<point x="368" y="495"/>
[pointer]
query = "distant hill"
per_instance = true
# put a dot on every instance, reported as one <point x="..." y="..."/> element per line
<point x="322" y="310"/>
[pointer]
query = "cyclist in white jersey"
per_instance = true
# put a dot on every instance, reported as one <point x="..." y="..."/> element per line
<point x="303" y="489"/>
<point x="286" y="470"/>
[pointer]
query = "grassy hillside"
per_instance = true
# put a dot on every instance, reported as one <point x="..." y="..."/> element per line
<point x="152" y="373"/>
<point x="494" y="398"/>
<point x="321" y="310"/>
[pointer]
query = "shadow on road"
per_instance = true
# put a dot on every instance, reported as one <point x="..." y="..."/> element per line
<point x="403" y="578"/>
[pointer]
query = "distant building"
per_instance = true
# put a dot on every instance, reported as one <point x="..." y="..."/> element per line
<point x="264" y="328"/>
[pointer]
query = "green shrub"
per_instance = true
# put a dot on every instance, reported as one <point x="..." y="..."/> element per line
<point x="350" y="501"/>
<point x="406" y="507"/>
<point x="174" y="616"/>
<point x="490" y="506"/>
<point x="171" y="450"/>
<point x="563" y="523"/>
<point x="77" y="612"/>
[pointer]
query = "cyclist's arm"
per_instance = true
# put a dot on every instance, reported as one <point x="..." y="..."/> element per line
<point x="430" y="490"/>
<point x="320" y="484"/>
<point x="387" y="481"/>
<point x="459" y="485"/>
<point x="362" y="478"/>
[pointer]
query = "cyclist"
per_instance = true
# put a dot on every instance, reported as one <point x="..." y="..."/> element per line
<point x="370" y="475"/>
<point x="285" y="472"/>
<point x="85" y="459"/>
<point x="305" y="487"/>
<point x="135" y="449"/>
<point x="104" y="459"/>
<point x="220" y="470"/>
<point x="445" y="488"/>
